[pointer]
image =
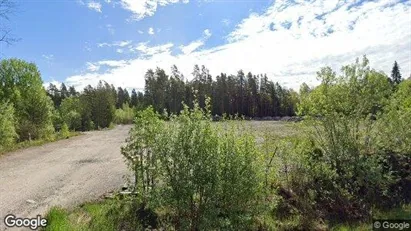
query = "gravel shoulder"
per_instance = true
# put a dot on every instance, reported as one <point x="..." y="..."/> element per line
<point x="63" y="173"/>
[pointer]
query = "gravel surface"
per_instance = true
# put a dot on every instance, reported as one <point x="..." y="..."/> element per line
<point x="64" y="173"/>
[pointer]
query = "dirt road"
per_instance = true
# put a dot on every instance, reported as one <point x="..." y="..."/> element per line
<point x="64" y="173"/>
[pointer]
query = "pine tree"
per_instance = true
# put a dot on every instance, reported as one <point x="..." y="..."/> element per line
<point x="134" y="98"/>
<point x="72" y="91"/>
<point x="64" y="92"/>
<point x="395" y="74"/>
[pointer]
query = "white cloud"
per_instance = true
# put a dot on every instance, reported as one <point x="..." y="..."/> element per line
<point x="54" y="82"/>
<point x="153" y="50"/>
<point x="92" y="66"/>
<point x="145" y="8"/>
<point x="48" y="57"/>
<point x="115" y="44"/>
<point x="150" y="31"/>
<point x="196" y="44"/>
<point x="262" y="43"/>
<point x="94" y="6"/>
<point x="140" y="32"/>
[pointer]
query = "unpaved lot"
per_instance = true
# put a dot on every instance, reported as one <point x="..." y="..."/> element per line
<point x="64" y="173"/>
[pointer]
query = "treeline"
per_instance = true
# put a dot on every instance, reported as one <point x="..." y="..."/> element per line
<point x="243" y="94"/>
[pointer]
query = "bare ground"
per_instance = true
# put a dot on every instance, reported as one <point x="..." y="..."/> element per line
<point x="63" y="173"/>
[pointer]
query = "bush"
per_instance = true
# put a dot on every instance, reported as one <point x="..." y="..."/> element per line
<point x="8" y="133"/>
<point x="64" y="132"/>
<point x="195" y="175"/>
<point x="356" y="153"/>
<point x="124" y="115"/>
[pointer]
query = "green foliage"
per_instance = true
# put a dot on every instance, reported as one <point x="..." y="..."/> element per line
<point x="57" y="120"/>
<point x="102" y="105"/>
<point x="22" y="86"/>
<point x="395" y="74"/>
<point x="251" y="95"/>
<point x="95" y="105"/>
<point x="8" y="133"/>
<point x="358" y="93"/>
<point x="70" y="110"/>
<point x="64" y="132"/>
<point x="357" y="150"/>
<point x="124" y="115"/>
<point x="204" y="177"/>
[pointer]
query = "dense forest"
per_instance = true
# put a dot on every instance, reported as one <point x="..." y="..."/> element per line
<point x="249" y="95"/>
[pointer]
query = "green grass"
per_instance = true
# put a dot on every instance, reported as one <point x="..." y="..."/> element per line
<point x="273" y="129"/>
<point x="89" y="216"/>
<point x="93" y="216"/>
<point x="33" y="143"/>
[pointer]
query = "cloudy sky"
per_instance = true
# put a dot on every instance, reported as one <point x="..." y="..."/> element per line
<point x="83" y="41"/>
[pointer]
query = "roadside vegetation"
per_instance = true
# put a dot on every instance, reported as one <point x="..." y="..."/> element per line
<point x="347" y="162"/>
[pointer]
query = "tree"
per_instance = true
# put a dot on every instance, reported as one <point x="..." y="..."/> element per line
<point x="134" y="100"/>
<point x="72" y="91"/>
<point x="7" y="8"/>
<point x="102" y="105"/>
<point x="23" y="87"/>
<point x="70" y="110"/>
<point x="120" y="97"/>
<point x="126" y="97"/>
<point x="64" y="93"/>
<point x="54" y="93"/>
<point x="395" y="74"/>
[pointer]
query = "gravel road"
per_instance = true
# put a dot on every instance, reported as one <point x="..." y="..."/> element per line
<point x="64" y="173"/>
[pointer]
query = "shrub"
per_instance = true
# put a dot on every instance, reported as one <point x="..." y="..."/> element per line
<point x="196" y="175"/>
<point x="124" y="115"/>
<point x="64" y="132"/>
<point x="8" y="133"/>
<point x="345" y="167"/>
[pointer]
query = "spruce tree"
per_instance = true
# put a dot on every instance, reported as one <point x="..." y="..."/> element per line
<point x="395" y="74"/>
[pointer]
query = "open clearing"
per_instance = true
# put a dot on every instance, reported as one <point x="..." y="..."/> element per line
<point x="63" y="173"/>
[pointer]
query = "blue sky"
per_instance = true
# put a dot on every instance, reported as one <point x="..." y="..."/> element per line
<point x="82" y="42"/>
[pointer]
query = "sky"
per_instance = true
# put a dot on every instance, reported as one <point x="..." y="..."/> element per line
<point x="80" y="42"/>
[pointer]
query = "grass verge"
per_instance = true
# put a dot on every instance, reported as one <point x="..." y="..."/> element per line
<point x="33" y="143"/>
<point x="99" y="216"/>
